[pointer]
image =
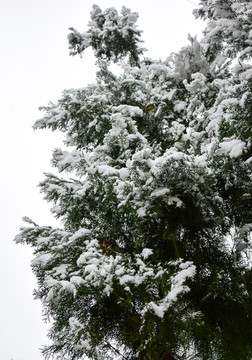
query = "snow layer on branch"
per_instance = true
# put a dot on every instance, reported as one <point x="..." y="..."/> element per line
<point x="232" y="148"/>
<point x="128" y="110"/>
<point x="79" y="234"/>
<point x="177" y="288"/>
<point x="41" y="260"/>
<point x="146" y="253"/>
<point x="95" y="269"/>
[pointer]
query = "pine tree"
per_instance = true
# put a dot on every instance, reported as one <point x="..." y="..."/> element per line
<point x="154" y="195"/>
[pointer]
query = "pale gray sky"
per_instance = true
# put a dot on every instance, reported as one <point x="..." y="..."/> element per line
<point x="35" y="68"/>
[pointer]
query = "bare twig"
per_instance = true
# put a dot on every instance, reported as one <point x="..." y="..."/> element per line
<point x="192" y="3"/>
<point x="116" y="350"/>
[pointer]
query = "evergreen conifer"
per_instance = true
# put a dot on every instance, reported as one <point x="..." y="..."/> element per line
<point x="152" y="261"/>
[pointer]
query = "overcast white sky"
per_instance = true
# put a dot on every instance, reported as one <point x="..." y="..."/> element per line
<point x="35" y="68"/>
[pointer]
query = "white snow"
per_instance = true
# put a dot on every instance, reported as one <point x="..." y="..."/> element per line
<point x="233" y="148"/>
<point x="180" y="105"/>
<point x="42" y="259"/>
<point x="159" y="192"/>
<point x="146" y="253"/>
<point x="77" y="280"/>
<point x="106" y="170"/>
<point x="177" y="287"/>
<point x="79" y="233"/>
<point x="128" y="110"/>
<point x="123" y="173"/>
<point x="90" y="268"/>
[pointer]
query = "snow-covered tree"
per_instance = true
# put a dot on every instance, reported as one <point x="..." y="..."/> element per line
<point x="154" y="196"/>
